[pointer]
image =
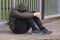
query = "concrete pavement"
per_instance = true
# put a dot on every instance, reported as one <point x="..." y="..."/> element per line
<point x="54" y="26"/>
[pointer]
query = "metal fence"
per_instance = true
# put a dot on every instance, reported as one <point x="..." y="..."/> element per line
<point x="7" y="5"/>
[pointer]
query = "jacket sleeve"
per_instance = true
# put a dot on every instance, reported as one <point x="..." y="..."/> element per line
<point x="22" y="15"/>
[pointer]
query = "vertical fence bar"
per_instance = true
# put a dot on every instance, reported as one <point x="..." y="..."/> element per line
<point x="41" y="9"/>
<point x="0" y="9"/>
<point x="58" y="9"/>
<point x="9" y="5"/>
<point x="23" y="1"/>
<point x="19" y="1"/>
<point x="38" y="5"/>
<point x="3" y="12"/>
<point x="43" y="5"/>
<point x="28" y="4"/>
<point x="6" y="9"/>
<point x="16" y="2"/>
<point x="33" y="6"/>
<point x="12" y="4"/>
<point x="26" y="1"/>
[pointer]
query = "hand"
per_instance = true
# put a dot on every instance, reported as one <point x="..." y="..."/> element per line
<point x="37" y="14"/>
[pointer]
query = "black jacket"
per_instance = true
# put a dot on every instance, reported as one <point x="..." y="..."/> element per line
<point x="19" y="13"/>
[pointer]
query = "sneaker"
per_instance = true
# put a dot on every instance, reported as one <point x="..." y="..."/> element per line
<point x="36" y="31"/>
<point x="45" y="31"/>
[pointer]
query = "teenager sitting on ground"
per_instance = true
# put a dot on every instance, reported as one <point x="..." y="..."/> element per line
<point x="22" y="12"/>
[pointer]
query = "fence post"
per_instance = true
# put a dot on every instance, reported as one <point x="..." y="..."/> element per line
<point x="58" y="9"/>
<point x="42" y="8"/>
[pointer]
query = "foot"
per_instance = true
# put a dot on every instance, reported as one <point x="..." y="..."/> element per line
<point x="36" y="31"/>
<point x="45" y="31"/>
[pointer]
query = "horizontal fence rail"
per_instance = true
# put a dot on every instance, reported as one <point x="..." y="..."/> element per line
<point x="7" y="5"/>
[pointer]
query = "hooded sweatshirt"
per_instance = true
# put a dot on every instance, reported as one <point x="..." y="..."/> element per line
<point x="21" y="11"/>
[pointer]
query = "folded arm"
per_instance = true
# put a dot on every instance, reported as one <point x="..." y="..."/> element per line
<point x="22" y="15"/>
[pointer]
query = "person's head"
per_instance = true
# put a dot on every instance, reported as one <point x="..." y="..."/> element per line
<point x="22" y="7"/>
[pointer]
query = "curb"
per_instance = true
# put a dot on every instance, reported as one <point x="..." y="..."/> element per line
<point x="3" y="23"/>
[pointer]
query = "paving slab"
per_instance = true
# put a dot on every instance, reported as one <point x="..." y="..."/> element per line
<point x="54" y="26"/>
